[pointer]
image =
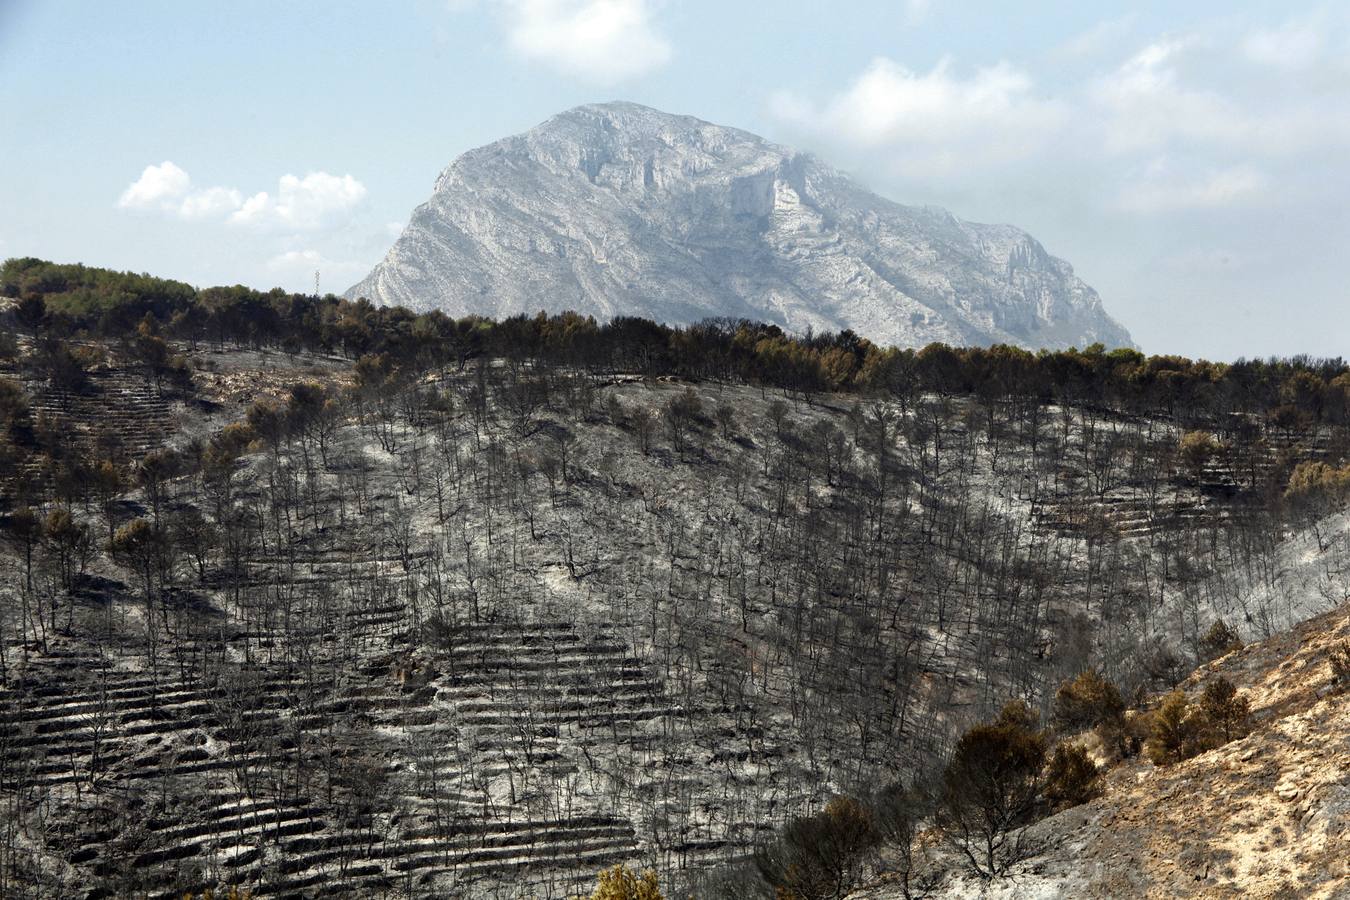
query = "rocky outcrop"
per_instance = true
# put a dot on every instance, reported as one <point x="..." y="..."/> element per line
<point x="618" y="209"/>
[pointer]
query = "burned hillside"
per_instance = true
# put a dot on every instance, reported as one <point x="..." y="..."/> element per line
<point x="403" y="606"/>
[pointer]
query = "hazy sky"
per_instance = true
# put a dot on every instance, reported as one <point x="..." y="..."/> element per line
<point x="1189" y="159"/>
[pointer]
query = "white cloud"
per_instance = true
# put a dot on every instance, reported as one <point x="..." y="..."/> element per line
<point x="601" y="41"/>
<point x="1293" y="45"/>
<point x="306" y="203"/>
<point x="1191" y="97"/>
<point x="918" y="10"/>
<point x="1097" y="39"/>
<point x="935" y="122"/>
<point x="1162" y="190"/>
<point x="159" y="187"/>
<point x="168" y="189"/>
<point x="1146" y="105"/>
<point x="210" y="203"/>
<point x="302" y="203"/>
<point x="1047" y="134"/>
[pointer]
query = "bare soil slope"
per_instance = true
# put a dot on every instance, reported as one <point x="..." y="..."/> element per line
<point x="1264" y="816"/>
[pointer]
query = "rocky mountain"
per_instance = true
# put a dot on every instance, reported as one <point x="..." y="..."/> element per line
<point x="618" y="209"/>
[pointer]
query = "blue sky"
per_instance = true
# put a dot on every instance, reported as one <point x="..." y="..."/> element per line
<point x="1188" y="159"/>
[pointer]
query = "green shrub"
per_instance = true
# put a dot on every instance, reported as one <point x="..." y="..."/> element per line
<point x="1196" y="449"/>
<point x="1225" y="711"/>
<point x="1176" y="732"/>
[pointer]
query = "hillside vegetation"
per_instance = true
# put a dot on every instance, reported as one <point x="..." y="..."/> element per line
<point x="1263" y="815"/>
<point x="304" y="597"/>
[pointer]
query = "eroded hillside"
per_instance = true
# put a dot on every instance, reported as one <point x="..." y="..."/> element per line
<point x="1265" y="816"/>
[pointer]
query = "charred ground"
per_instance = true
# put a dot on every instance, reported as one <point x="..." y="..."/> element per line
<point x="305" y="596"/>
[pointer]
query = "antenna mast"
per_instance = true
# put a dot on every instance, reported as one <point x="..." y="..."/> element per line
<point x="316" y="282"/>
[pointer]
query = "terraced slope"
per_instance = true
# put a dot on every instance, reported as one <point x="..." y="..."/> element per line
<point x="483" y="638"/>
<point x="204" y="762"/>
<point x="500" y="753"/>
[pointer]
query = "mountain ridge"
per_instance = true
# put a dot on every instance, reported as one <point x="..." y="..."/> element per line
<point x="619" y="209"/>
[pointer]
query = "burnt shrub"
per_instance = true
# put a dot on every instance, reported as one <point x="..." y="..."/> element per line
<point x="990" y="789"/>
<point x="1163" y="668"/>
<point x="1072" y="778"/>
<point x="1086" y="701"/>
<point x="1220" y="640"/>
<point x="1339" y="657"/>
<point x="822" y="856"/>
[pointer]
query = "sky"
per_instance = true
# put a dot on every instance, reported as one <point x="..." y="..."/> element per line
<point x="1191" y="160"/>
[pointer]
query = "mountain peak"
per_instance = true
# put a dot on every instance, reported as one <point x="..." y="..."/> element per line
<point x="620" y="209"/>
<point x="626" y="115"/>
<point x="632" y="128"/>
<point x="619" y="109"/>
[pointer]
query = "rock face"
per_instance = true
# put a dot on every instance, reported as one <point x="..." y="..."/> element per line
<point x="618" y="209"/>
